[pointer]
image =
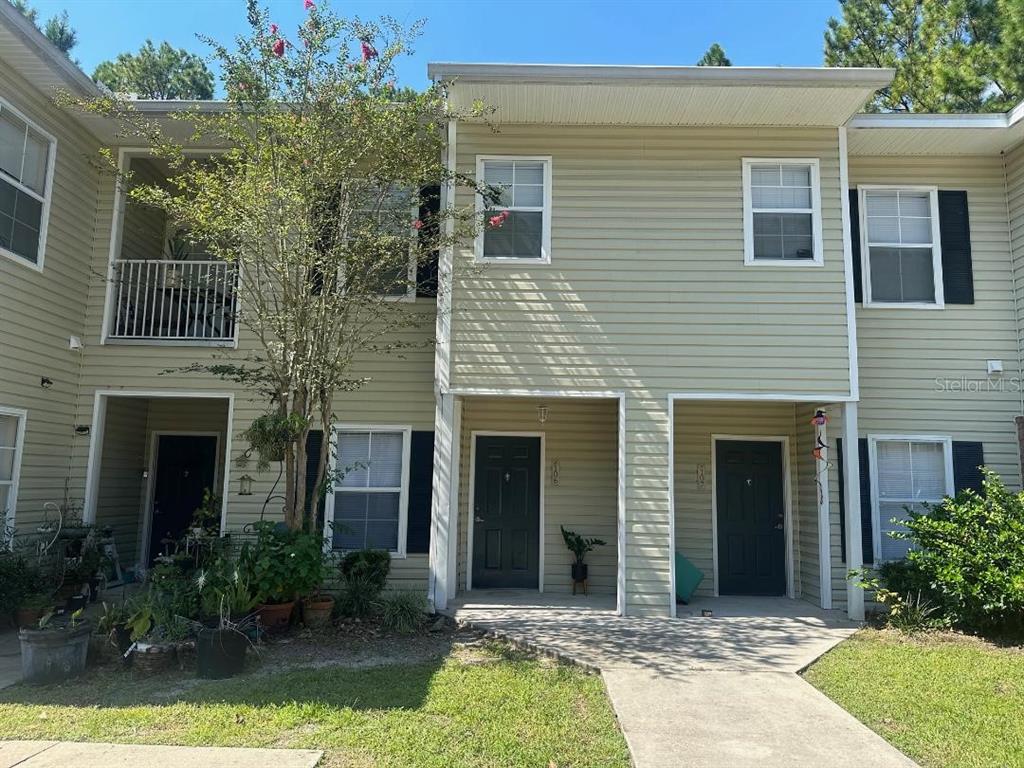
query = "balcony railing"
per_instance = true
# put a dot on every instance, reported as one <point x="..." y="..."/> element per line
<point x="182" y="301"/>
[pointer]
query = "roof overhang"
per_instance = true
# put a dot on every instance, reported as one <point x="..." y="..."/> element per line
<point x="921" y="134"/>
<point x="582" y="94"/>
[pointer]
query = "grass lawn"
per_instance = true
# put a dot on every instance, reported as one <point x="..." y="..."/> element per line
<point x="943" y="699"/>
<point x="485" y="706"/>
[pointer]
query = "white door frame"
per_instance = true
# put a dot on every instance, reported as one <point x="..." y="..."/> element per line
<point x="99" y="418"/>
<point x="146" y="513"/>
<point x="542" y="479"/>
<point x="787" y="500"/>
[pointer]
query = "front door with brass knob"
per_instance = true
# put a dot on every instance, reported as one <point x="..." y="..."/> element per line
<point x="506" y="512"/>
<point x="751" y="517"/>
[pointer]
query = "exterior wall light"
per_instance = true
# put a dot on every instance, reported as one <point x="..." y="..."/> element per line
<point x="245" y="485"/>
<point x="542" y="413"/>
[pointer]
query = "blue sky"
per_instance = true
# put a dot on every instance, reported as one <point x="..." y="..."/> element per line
<point x="753" y="32"/>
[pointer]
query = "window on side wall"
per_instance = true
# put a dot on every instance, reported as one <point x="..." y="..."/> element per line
<point x="26" y="168"/>
<point x="369" y="501"/>
<point x="11" y="432"/>
<point x="909" y="473"/>
<point x="901" y="239"/>
<point x="782" y="212"/>
<point x="524" y="235"/>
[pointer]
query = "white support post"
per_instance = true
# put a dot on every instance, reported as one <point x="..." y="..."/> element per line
<point x="440" y="587"/>
<point x="854" y="553"/>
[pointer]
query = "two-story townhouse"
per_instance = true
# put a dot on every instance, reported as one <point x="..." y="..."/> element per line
<point x="696" y="262"/>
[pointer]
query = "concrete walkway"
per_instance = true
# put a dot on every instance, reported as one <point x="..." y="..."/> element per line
<point x="59" y="754"/>
<point x="704" y="692"/>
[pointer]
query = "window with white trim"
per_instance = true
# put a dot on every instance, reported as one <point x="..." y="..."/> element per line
<point x="517" y="227"/>
<point x="902" y="245"/>
<point x="10" y="449"/>
<point x="782" y="212"/>
<point x="370" y="495"/>
<point x="909" y="473"/>
<point x="392" y="213"/>
<point x="25" y="181"/>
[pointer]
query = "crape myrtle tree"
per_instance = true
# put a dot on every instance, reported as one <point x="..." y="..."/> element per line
<point x="325" y="198"/>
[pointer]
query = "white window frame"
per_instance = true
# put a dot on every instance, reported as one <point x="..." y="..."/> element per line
<point x="873" y="440"/>
<point x="47" y="191"/>
<point x="545" y="211"/>
<point x="403" y="497"/>
<point x="865" y="249"/>
<point x="21" y="415"/>
<point x="410" y="293"/>
<point x="748" y="213"/>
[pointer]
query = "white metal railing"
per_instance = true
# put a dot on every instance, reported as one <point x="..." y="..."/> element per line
<point x="173" y="300"/>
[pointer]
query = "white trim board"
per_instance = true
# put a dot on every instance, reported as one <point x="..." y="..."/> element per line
<point x="99" y="417"/>
<point x="787" y="500"/>
<point x="21" y="415"/>
<point x="541" y="478"/>
<point x="146" y="513"/>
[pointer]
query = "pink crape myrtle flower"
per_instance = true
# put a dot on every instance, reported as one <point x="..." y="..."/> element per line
<point x="417" y="224"/>
<point x="278" y="48"/>
<point x="369" y="52"/>
<point x="497" y="221"/>
<point x="273" y="29"/>
<point x="309" y="5"/>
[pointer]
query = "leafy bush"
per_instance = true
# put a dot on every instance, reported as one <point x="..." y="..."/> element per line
<point x="403" y="612"/>
<point x="967" y="557"/>
<point x="17" y="581"/>
<point x="282" y="564"/>
<point x="364" y="574"/>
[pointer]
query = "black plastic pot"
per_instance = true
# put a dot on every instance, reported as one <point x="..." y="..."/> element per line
<point x="220" y="653"/>
<point x="579" y="572"/>
<point x="94" y="589"/>
<point x="75" y="602"/>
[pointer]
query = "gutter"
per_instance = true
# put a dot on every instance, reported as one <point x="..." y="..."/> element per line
<point x="610" y="74"/>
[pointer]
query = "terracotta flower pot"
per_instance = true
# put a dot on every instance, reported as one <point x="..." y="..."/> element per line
<point x="28" y="618"/>
<point x="316" y="611"/>
<point x="275" y="617"/>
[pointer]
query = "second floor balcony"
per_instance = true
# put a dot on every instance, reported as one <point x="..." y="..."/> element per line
<point x="163" y="287"/>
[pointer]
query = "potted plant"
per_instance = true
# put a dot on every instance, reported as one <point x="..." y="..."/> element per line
<point x="318" y="606"/>
<point x="281" y="566"/>
<point x="113" y="629"/>
<point x="269" y="435"/>
<point x="221" y="648"/>
<point x="56" y="649"/>
<point x="33" y="607"/>
<point x="579" y="546"/>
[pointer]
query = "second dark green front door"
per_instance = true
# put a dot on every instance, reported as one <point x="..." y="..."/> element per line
<point x="751" y="518"/>
<point x="506" y="512"/>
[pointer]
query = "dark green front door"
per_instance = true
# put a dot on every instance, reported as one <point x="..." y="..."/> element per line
<point x="506" y="512"/>
<point x="751" y="518"/>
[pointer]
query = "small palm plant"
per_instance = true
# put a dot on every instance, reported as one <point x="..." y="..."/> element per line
<point x="579" y="546"/>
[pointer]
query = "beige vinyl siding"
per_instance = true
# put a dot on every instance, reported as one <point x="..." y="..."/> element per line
<point x="807" y="487"/>
<point x="924" y="371"/>
<point x="39" y="311"/>
<point x="581" y="436"/>
<point x="120" y="497"/>
<point x="695" y="424"/>
<point x="144" y="233"/>
<point x="647" y="294"/>
<point x="647" y="288"/>
<point x="1013" y="167"/>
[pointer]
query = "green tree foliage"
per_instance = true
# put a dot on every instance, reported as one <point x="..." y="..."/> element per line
<point x="326" y="202"/>
<point x="949" y="55"/>
<point x="157" y="73"/>
<point x="58" y="29"/>
<point x="714" y="57"/>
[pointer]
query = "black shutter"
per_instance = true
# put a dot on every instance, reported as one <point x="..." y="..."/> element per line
<point x="967" y="458"/>
<point x="314" y="444"/>
<point x="955" y="236"/>
<point x="866" y="528"/>
<point x="855" y="245"/>
<point x="426" y="270"/>
<point x="421" y="472"/>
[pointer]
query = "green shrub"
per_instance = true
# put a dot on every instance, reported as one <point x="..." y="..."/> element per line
<point x="967" y="557"/>
<point x="403" y="612"/>
<point x="282" y="564"/>
<point x="364" y="574"/>
<point x="17" y="581"/>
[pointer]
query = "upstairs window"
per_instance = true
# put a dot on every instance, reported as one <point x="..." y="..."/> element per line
<point x="781" y="212"/>
<point x="524" y="235"/>
<point x="910" y="472"/>
<point x="901" y="239"/>
<point x="26" y="169"/>
<point x="368" y="505"/>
